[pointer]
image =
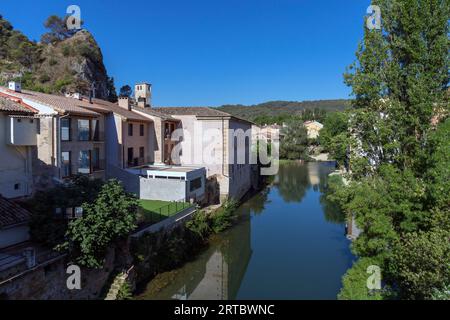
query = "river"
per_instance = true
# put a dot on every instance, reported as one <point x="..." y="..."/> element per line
<point x="289" y="243"/>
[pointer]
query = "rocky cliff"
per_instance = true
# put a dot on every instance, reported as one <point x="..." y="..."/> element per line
<point x="73" y="64"/>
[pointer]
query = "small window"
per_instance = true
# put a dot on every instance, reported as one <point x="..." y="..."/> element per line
<point x="130" y="129"/>
<point x="130" y="156"/>
<point x="195" y="184"/>
<point x="141" y="152"/>
<point x="84" y="162"/>
<point x="17" y="186"/>
<point x="19" y="120"/>
<point x="84" y="130"/>
<point x="141" y="130"/>
<point x="66" y="164"/>
<point x="31" y="120"/>
<point x="78" y="212"/>
<point x="65" y="129"/>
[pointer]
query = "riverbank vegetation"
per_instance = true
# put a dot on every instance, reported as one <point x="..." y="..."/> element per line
<point x="111" y="217"/>
<point x="398" y="146"/>
<point x="154" y="253"/>
<point x="82" y="218"/>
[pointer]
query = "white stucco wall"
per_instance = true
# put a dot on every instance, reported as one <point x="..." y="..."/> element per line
<point x="15" y="166"/>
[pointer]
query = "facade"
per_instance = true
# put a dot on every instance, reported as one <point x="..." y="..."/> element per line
<point x="209" y="138"/>
<point x="69" y="138"/>
<point x="18" y="128"/>
<point x="313" y="128"/>
<point x="128" y="136"/>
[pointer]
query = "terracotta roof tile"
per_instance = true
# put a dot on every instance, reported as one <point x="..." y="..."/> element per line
<point x="105" y="106"/>
<point x="154" y="113"/>
<point x="59" y="103"/>
<point x="11" y="106"/>
<point x="195" y="111"/>
<point x="11" y="213"/>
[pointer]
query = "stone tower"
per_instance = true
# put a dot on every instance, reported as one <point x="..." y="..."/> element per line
<point x="143" y="94"/>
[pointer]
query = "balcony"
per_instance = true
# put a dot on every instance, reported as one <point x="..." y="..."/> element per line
<point x="21" y="131"/>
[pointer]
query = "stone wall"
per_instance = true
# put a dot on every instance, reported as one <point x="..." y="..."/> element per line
<point x="47" y="281"/>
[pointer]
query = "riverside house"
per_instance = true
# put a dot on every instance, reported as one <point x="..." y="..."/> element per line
<point x="69" y="137"/>
<point x="17" y="139"/>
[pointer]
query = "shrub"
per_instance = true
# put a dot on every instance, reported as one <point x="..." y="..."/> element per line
<point x="354" y="282"/>
<point x="111" y="217"/>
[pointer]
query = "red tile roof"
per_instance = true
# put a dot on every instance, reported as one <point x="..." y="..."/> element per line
<point x="12" y="214"/>
<point x="103" y="106"/>
<point x="14" y="107"/>
<point x="195" y="111"/>
<point x="59" y="103"/>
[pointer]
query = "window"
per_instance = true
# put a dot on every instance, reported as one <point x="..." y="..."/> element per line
<point x="130" y="156"/>
<point x="96" y="159"/>
<point x="17" y="186"/>
<point x="95" y="130"/>
<point x="83" y="130"/>
<point x="141" y="152"/>
<point x="141" y="130"/>
<point x="66" y="164"/>
<point x="84" y="162"/>
<point x="130" y="129"/>
<point x="65" y="129"/>
<point x="195" y="184"/>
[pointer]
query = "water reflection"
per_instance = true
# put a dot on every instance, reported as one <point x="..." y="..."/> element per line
<point x="288" y="244"/>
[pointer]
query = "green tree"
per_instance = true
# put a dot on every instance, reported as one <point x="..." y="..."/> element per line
<point x="334" y="137"/>
<point x="420" y="264"/>
<point x="125" y="91"/>
<point x="294" y="144"/>
<point x="399" y="161"/>
<point x="58" y="30"/>
<point x="111" y="217"/>
<point x="112" y="94"/>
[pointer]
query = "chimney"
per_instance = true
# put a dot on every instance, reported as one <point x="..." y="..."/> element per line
<point x="124" y="102"/>
<point x="74" y="95"/>
<point x="15" y="86"/>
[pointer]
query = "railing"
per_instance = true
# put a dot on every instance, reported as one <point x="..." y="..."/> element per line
<point x="167" y="211"/>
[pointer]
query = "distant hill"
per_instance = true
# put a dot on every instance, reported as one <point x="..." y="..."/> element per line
<point x="284" y="108"/>
<point x="72" y="64"/>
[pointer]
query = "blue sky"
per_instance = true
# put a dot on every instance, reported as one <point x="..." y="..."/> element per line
<point x="214" y="52"/>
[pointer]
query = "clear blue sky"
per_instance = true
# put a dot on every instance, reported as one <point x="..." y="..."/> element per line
<point x="214" y="52"/>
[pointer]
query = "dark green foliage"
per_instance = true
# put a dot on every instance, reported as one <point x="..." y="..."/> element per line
<point x="294" y="145"/>
<point x="335" y="136"/>
<point x="355" y="282"/>
<point x="420" y="264"/>
<point x="109" y="218"/>
<point x="112" y="94"/>
<point x="48" y="228"/>
<point x="125" y="292"/>
<point x="57" y="30"/>
<point x="400" y="161"/>
<point x="223" y="217"/>
<point x="281" y="111"/>
<point x="125" y="91"/>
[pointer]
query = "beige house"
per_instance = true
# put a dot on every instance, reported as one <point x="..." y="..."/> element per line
<point x="210" y="138"/>
<point x="69" y="137"/>
<point x="18" y="129"/>
<point x="313" y="128"/>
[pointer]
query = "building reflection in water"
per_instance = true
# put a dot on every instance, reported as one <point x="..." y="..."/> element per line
<point x="217" y="273"/>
